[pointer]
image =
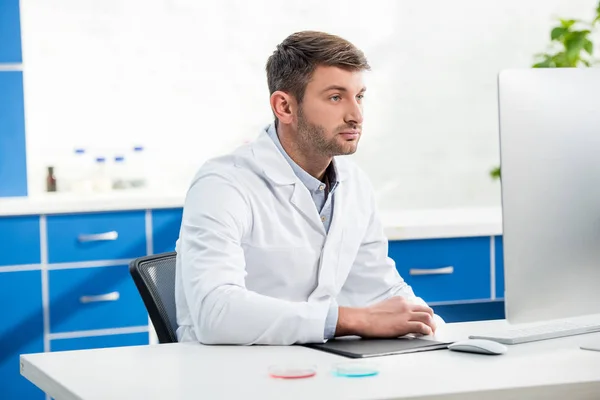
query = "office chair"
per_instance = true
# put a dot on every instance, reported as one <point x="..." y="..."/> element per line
<point x="154" y="277"/>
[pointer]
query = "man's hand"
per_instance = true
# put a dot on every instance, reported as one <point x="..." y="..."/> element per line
<point x="390" y="318"/>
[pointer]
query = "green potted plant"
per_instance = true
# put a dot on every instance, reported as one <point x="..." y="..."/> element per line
<point x="570" y="46"/>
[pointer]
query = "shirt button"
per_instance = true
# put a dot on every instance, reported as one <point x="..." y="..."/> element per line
<point x="322" y="187"/>
<point x="323" y="219"/>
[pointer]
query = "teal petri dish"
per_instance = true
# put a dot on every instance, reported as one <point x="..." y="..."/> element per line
<point x="355" y="370"/>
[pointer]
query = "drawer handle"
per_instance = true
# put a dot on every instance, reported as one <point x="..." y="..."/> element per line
<point x="113" y="296"/>
<point x="99" y="237"/>
<point x="434" y="271"/>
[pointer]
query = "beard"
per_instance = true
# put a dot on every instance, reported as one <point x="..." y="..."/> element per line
<point x="314" y="138"/>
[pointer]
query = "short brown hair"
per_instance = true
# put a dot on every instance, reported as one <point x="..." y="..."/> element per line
<point x="292" y="64"/>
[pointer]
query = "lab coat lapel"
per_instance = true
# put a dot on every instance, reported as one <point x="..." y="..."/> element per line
<point x="328" y="271"/>
<point x="303" y="202"/>
<point x="279" y="171"/>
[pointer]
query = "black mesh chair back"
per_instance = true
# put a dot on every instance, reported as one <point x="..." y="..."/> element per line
<point x="154" y="277"/>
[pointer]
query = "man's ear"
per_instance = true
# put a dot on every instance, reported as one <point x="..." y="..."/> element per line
<point x="283" y="106"/>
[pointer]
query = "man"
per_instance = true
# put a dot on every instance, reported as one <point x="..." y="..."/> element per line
<point x="280" y="241"/>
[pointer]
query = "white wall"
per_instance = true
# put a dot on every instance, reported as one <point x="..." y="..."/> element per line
<point x="186" y="79"/>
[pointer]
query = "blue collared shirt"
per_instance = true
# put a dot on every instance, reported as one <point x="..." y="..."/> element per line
<point x="323" y="199"/>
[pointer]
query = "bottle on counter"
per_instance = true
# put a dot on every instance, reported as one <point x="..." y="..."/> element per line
<point x="82" y="181"/>
<point x="137" y="177"/>
<point x="50" y="180"/>
<point x="119" y="173"/>
<point x="102" y="181"/>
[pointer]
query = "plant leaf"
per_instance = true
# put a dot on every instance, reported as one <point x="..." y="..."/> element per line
<point x="567" y="23"/>
<point x="546" y="62"/>
<point x="557" y="33"/>
<point x="574" y="43"/>
<point x="496" y="173"/>
<point x="588" y="46"/>
<point x="560" y="60"/>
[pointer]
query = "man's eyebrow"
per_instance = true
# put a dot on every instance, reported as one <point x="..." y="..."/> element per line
<point x="341" y="89"/>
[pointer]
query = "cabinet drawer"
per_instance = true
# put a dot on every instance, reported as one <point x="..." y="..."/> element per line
<point x="19" y="240"/>
<point x="102" y="236"/>
<point x="165" y="229"/>
<point x="94" y="298"/>
<point x="97" y="342"/>
<point x="445" y="269"/>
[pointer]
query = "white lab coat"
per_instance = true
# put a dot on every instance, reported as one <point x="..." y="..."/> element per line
<point x="254" y="263"/>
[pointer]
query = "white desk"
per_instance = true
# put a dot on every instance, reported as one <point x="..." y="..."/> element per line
<point x="547" y="369"/>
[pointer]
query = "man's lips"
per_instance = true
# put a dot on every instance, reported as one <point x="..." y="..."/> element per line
<point x="349" y="135"/>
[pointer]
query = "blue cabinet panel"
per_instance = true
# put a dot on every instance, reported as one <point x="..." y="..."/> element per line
<point x="19" y="240"/>
<point x="21" y="330"/>
<point x="72" y="237"/>
<point x="469" y="258"/>
<point x="10" y="32"/>
<point x="470" y="311"/>
<point x="165" y="229"/>
<point x="97" y="342"/>
<point x="499" y="258"/>
<point x="75" y="304"/>
<point x="13" y="165"/>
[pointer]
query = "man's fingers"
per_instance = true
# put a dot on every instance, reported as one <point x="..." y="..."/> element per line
<point x="425" y="318"/>
<point x="421" y="308"/>
<point x="419" y="327"/>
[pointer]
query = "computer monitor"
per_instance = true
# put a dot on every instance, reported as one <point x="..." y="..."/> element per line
<point x="550" y="163"/>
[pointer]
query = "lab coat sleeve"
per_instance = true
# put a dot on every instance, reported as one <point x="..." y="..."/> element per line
<point x="373" y="276"/>
<point x="216" y="215"/>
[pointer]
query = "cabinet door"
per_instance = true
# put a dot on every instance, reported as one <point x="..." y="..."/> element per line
<point x="165" y="229"/>
<point x="19" y="240"/>
<point x="13" y="165"/>
<point x="445" y="269"/>
<point x="21" y="331"/>
<point x="10" y="32"/>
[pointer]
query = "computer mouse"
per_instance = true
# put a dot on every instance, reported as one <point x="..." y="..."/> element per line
<point x="479" y="346"/>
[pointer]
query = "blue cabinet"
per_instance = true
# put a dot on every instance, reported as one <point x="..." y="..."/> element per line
<point x="96" y="342"/>
<point x="99" y="236"/>
<point x="441" y="270"/>
<point x="94" y="298"/>
<point x="479" y="311"/>
<point x="92" y="301"/>
<point x="19" y="240"/>
<point x="10" y="32"/>
<point x="13" y="165"/>
<point x="499" y="261"/>
<point x="165" y="229"/>
<point x="21" y="330"/>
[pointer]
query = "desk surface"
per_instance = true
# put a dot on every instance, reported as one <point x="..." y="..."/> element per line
<point x="547" y="369"/>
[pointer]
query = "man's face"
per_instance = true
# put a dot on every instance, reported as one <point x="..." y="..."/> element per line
<point x="331" y="113"/>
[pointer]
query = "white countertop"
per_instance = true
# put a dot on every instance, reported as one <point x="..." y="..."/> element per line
<point x="405" y="224"/>
<point x="548" y="369"/>
<point x="66" y="203"/>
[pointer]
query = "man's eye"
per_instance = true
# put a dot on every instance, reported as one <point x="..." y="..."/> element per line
<point x="335" y="98"/>
<point x="360" y="96"/>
